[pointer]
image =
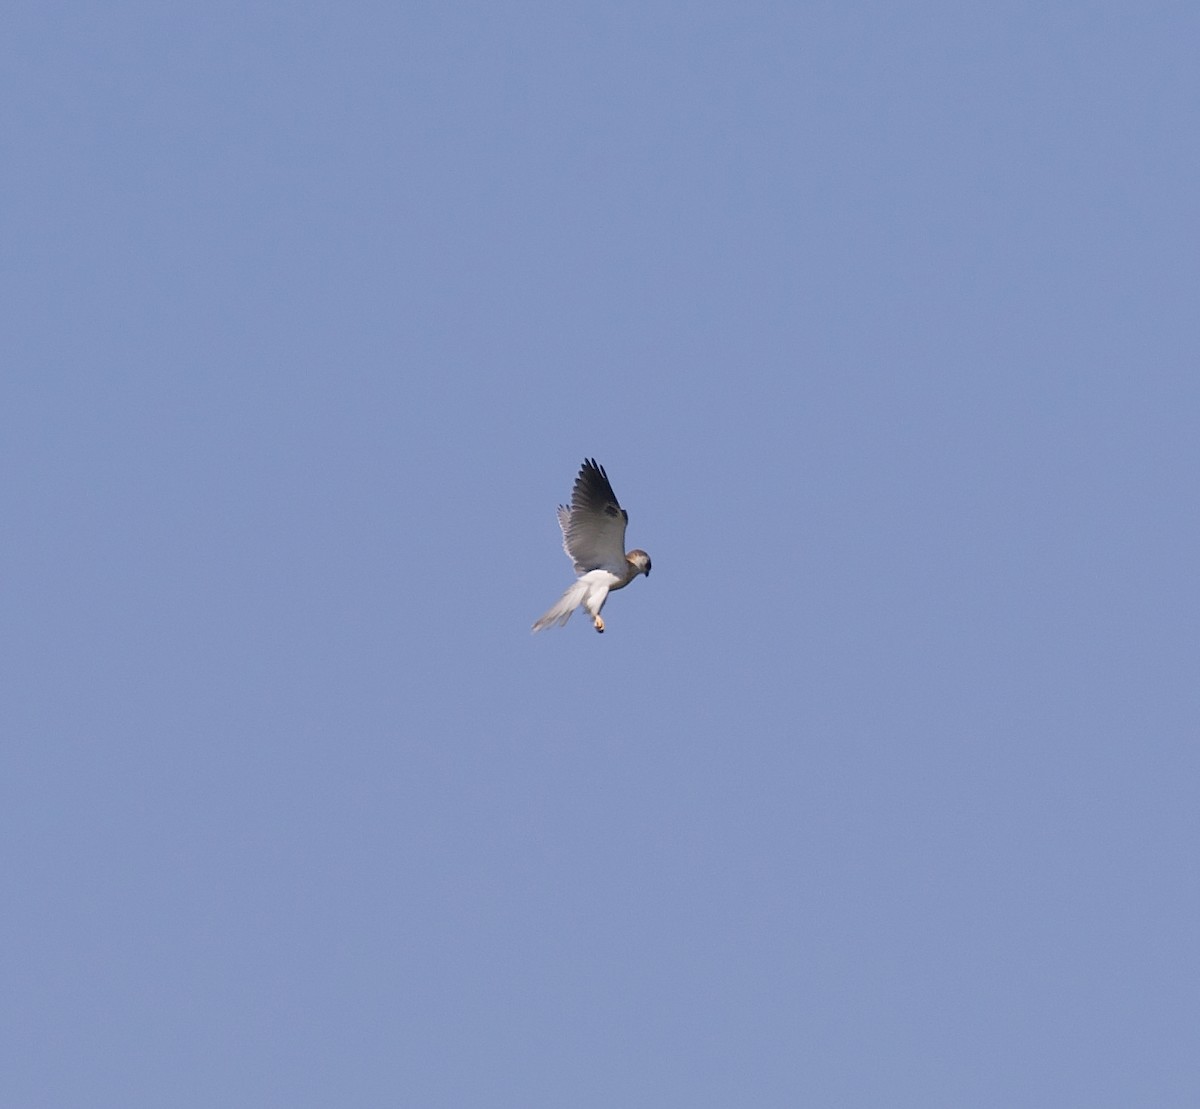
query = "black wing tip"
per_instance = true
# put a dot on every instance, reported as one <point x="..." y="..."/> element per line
<point x="592" y="473"/>
<point x="592" y="486"/>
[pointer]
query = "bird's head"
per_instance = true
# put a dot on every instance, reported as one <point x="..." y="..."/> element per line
<point x="640" y="561"/>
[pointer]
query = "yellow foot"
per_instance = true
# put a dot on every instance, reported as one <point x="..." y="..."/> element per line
<point x="599" y="624"/>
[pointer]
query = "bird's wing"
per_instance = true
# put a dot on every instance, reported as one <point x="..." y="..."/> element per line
<point x="594" y="526"/>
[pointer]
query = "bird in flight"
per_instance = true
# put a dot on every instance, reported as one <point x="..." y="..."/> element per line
<point x="594" y="538"/>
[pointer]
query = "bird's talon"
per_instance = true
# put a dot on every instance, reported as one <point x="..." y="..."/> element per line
<point x="599" y="624"/>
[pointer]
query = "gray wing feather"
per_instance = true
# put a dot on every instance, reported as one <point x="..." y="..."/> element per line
<point x="594" y="526"/>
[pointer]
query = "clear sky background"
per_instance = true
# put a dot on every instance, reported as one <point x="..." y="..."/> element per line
<point x="880" y="791"/>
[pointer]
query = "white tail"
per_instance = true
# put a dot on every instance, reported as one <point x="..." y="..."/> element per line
<point x="560" y="613"/>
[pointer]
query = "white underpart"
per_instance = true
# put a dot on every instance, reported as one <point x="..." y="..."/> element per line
<point x="590" y="590"/>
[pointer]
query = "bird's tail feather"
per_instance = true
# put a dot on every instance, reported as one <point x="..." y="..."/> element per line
<point x="561" y="611"/>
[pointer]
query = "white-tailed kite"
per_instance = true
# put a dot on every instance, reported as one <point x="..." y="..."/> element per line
<point x="594" y="538"/>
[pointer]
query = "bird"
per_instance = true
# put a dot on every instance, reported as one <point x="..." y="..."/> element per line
<point x="593" y="530"/>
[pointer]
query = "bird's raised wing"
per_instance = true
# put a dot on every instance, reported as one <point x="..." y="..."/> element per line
<point x="594" y="526"/>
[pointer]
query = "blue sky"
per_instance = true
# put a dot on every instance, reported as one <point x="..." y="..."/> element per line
<point x="880" y="791"/>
